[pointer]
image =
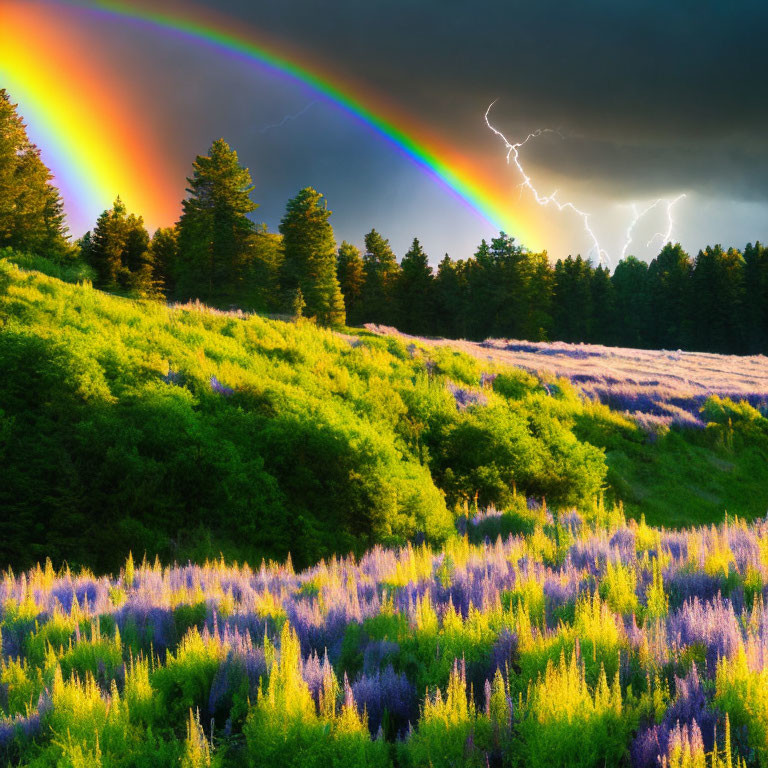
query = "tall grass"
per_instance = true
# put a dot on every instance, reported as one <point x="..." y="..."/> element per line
<point x="636" y="645"/>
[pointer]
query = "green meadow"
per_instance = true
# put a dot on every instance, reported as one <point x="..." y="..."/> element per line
<point x="187" y="432"/>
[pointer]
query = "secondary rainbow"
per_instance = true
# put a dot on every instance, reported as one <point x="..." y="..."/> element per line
<point x="445" y="163"/>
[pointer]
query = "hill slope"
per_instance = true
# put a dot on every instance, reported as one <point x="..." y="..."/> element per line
<point x="692" y="467"/>
<point x="186" y="432"/>
<point x="183" y="431"/>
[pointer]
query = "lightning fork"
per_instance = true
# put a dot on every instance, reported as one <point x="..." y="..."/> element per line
<point x="513" y="155"/>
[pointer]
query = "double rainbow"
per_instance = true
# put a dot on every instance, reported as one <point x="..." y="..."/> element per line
<point x="92" y="144"/>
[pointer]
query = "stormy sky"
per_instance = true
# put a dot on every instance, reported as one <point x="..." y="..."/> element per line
<point x="652" y="99"/>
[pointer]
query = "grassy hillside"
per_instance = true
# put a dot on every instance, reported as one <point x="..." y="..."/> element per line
<point x="186" y="432"/>
<point x="691" y="467"/>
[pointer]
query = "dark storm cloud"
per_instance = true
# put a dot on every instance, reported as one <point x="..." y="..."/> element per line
<point x="654" y="95"/>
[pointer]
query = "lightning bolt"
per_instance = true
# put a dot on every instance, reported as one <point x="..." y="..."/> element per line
<point x="513" y="155"/>
<point x="636" y="216"/>
<point x="666" y="237"/>
<point x="288" y="118"/>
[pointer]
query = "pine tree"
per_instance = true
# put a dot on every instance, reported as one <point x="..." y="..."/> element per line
<point x="84" y="245"/>
<point x="31" y="209"/>
<point x="668" y="292"/>
<point x="450" y="298"/>
<point x="603" y="321"/>
<point x="572" y="303"/>
<point x="214" y="228"/>
<point x="414" y="292"/>
<point x="263" y="275"/>
<point x="716" y="302"/>
<point x="483" y="299"/>
<point x="380" y="266"/>
<point x="520" y="290"/>
<point x="164" y="250"/>
<point x="630" y="284"/>
<point x="538" y="321"/>
<point x="349" y="268"/>
<point x="756" y="298"/>
<point x="309" y="251"/>
<point x="118" y="250"/>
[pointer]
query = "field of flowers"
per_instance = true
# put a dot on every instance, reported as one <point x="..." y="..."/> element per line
<point x="529" y="639"/>
<point x="659" y="388"/>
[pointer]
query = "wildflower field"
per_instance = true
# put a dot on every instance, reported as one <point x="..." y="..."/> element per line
<point x="533" y="639"/>
<point x="471" y="578"/>
<point x="659" y="388"/>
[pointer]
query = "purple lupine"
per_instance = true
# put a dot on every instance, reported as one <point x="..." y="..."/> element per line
<point x="221" y="389"/>
<point x="173" y="377"/>
<point x="466" y="398"/>
<point x="691" y="706"/>
<point x="649" y="746"/>
<point x="502" y="654"/>
<point x="314" y="671"/>
<point x="390" y="692"/>
<point x="711" y="624"/>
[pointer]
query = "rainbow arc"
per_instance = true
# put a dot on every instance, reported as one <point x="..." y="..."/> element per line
<point x="95" y="159"/>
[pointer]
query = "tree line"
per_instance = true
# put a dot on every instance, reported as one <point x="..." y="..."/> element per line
<point x="716" y="301"/>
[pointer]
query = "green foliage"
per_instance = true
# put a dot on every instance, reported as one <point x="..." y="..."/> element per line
<point x="285" y="728"/>
<point x="349" y="267"/>
<point x="214" y="230"/>
<point x="565" y="722"/>
<point x="690" y="476"/>
<point x="743" y="694"/>
<point x="31" y="209"/>
<point x="68" y="269"/>
<point x="309" y="266"/>
<point x="184" y="432"/>
<point x="119" y="252"/>
<point x="491" y="451"/>
<point x="380" y="270"/>
<point x="618" y="588"/>
<point x="184" y="681"/>
<point x="446" y="728"/>
<point x="657" y="601"/>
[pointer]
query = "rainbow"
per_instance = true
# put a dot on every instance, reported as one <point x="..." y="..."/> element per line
<point x="96" y="165"/>
<point x="88" y="137"/>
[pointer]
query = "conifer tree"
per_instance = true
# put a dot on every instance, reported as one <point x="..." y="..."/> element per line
<point x="349" y="268"/>
<point x="31" y="210"/>
<point x="414" y="292"/>
<point x="164" y="250"/>
<point x="716" y="301"/>
<point x="668" y="288"/>
<point x="214" y="228"/>
<point x="603" y="322"/>
<point x="309" y="252"/>
<point x="572" y="306"/>
<point x="381" y="269"/>
<point x="483" y="292"/>
<point x="630" y="284"/>
<point x="756" y="298"/>
<point x="450" y="298"/>
<point x="516" y="290"/>
<point x="118" y="250"/>
<point x="262" y="290"/>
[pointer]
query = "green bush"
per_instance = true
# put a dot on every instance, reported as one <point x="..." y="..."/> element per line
<point x="187" y="432"/>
